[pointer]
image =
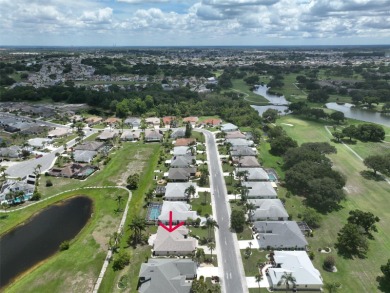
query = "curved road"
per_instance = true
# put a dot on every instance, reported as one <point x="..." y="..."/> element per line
<point x="233" y="279"/>
<point x="27" y="167"/>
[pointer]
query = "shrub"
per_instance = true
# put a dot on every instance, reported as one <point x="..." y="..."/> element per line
<point x="36" y="196"/>
<point x="122" y="260"/>
<point x="49" y="183"/>
<point x="64" y="245"/>
<point x="329" y="262"/>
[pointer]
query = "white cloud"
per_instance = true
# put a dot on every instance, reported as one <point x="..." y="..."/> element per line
<point x="204" y="22"/>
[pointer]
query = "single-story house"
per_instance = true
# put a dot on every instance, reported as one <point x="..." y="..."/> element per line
<point x="133" y="122"/>
<point x="235" y="135"/>
<point x="82" y="156"/>
<point x="177" y="191"/>
<point x="93" y="120"/>
<point x="35" y="130"/>
<point x="11" y="129"/>
<point x="181" y="174"/>
<point x="178" y="133"/>
<point x="153" y="122"/>
<point x="176" y="243"/>
<point x="112" y="120"/>
<point x="107" y="135"/>
<point x="182" y="161"/>
<point x="181" y="151"/>
<point x="181" y="211"/>
<point x="238" y="142"/>
<point x="10" y="152"/>
<point x="67" y="171"/>
<point x="168" y="120"/>
<point x="298" y="263"/>
<point x="166" y="275"/>
<point x="89" y="146"/>
<point x="228" y="127"/>
<point x="185" y="141"/>
<point x="242" y="151"/>
<point x="271" y="209"/>
<point x="38" y="142"/>
<point x="153" y="135"/>
<point x="248" y="162"/>
<point x="130" y="135"/>
<point x="279" y="235"/>
<point x="212" y="122"/>
<point x="58" y="132"/>
<point x="254" y="174"/>
<point x="260" y="189"/>
<point x="191" y="119"/>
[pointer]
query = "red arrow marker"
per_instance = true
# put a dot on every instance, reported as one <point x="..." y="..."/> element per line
<point x="170" y="228"/>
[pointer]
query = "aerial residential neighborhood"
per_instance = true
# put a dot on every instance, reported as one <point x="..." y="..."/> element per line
<point x="194" y="170"/>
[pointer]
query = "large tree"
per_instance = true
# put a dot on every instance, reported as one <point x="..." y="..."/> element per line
<point x="318" y="96"/>
<point x="281" y="144"/>
<point x="352" y="241"/>
<point x="366" y="220"/>
<point x="237" y="220"/>
<point x="376" y="163"/>
<point x="386" y="271"/>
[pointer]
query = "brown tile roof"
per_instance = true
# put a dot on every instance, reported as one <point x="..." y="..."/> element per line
<point x="184" y="141"/>
<point x="191" y="119"/>
<point x="212" y="121"/>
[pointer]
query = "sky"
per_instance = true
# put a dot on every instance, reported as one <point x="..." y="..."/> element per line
<point x="194" y="22"/>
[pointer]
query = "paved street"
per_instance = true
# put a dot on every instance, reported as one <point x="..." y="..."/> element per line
<point x="27" y="167"/>
<point x="233" y="279"/>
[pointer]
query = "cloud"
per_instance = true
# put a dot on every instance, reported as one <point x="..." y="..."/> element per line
<point x="143" y="1"/>
<point x="207" y="21"/>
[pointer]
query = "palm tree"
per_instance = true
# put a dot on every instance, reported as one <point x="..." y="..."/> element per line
<point x="3" y="174"/>
<point x="39" y="166"/>
<point x="231" y="174"/>
<point x="191" y="149"/>
<point x="287" y="279"/>
<point x="211" y="246"/>
<point x="332" y="287"/>
<point x="199" y="254"/>
<point x="119" y="200"/>
<point x="244" y="193"/>
<point x="258" y="278"/>
<point x="211" y="224"/>
<point x="190" y="191"/>
<point x="137" y="225"/>
<point x="205" y="194"/>
<point x="250" y="207"/>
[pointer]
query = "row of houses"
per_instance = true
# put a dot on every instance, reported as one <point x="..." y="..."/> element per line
<point x="271" y="226"/>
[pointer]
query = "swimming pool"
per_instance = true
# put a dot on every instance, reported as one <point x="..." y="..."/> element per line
<point x="154" y="210"/>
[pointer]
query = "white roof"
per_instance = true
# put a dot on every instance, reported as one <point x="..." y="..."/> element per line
<point x="299" y="264"/>
<point x="260" y="189"/>
<point x="181" y="211"/>
<point x="268" y="208"/>
<point x="177" y="189"/>
<point x="228" y="127"/>
<point x="255" y="173"/>
<point x="174" y="241"/>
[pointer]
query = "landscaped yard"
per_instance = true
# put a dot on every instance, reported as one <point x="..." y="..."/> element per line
<point x="251" y="263"/>
<point x="202" y="204"/>
<point x="79" y="267"/>
<point x="355" y="275"/>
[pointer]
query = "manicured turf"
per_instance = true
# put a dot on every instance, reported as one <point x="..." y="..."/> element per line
<point x="250" y="263"/>
<point x="78" y="267"/>
<point x="356" y="275"/>
<point x="240" y="86"/>
<point x="133" y="157"/>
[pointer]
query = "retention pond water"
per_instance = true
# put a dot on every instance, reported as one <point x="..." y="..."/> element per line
<point x="39" y="238"/>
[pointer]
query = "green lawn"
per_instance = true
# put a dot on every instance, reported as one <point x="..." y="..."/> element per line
<point x="240" y="86"/>
<point x="357" y="275"/>
<point x="198" y="204"/>
<point x="138" y="255"/>
<point x="79" y="266"/>
<point x="251" y="263"/>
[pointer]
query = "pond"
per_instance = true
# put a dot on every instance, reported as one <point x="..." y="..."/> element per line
<point x="262" y="90"/>
<point x="262" y="109"/>
<point x="39" y="238"/>
<point x="277" y="103"/>
<point x="360" y="114"/>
